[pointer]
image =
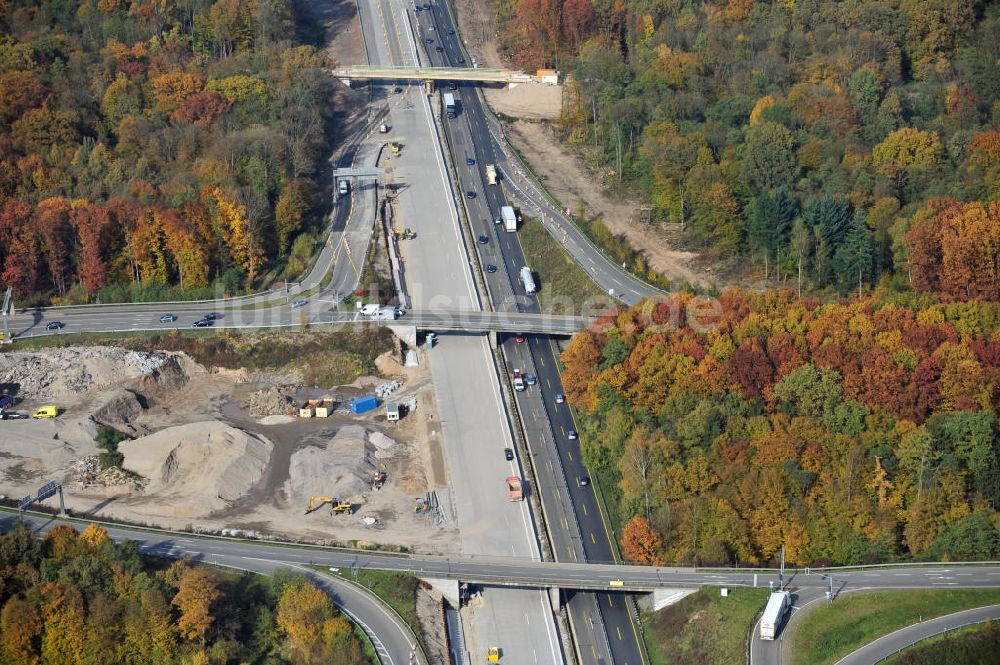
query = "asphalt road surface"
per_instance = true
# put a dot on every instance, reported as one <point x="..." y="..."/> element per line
<point x="473" y="421"/>
<point x="905" y="637"/>
<point x="574" y="523"/>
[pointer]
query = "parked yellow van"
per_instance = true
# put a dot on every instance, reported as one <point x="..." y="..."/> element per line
<point x="46" y="412"/>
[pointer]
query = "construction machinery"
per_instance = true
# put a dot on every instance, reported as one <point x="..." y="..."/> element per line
<point x="378" y="480"/>
<point x="405" y="234"/>
<point x="493" y="655"/>
<point x="337" y="506"/>
<point x="395" y="148"/>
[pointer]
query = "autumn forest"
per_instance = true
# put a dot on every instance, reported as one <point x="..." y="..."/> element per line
<point x="155" y="149"/>
<point x="78" y="598"/>
<point x="829" y="143"/>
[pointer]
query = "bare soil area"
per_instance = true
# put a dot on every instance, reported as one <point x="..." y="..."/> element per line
<point x="478" y="28"/>
<point x="571" y="181"/>
<point x="196" y="458"/>
<point x="527" y="101"/>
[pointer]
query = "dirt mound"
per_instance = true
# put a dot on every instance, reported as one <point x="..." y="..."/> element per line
<point x="338" y="467"/>
<point x="268" y="402"/>
<point x="199" y="468"/>
<point x="119" y="409"/>
<point x="74" y="370"/>
<point x="170" y="375"/>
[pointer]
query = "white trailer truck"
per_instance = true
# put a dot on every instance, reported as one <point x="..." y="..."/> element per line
<point x="774" y="614"/>
<point x="528" y="280"/>
<point x="509" y="218"/>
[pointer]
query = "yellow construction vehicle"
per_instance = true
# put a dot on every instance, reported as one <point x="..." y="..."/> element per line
<point x="317" y="501"/>
<point x="395" y="149"/>
<point x="493" y="655"/>
<point x="339" y="507"/>
<point x="336" y="505"/>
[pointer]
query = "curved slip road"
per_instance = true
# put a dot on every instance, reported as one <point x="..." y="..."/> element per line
<point x="895" y="642"/>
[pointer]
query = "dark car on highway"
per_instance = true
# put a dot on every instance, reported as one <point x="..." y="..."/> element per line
<point x="508" y="454"/>
<point x="470" y="194"/>
<point x="483" y="240"/>
<point x="55" y="325"/>
<point x="168" y="318"/>
<point x="490" y="268"/>
<point x="211" y="316"/>
<point x="202" y="323"/>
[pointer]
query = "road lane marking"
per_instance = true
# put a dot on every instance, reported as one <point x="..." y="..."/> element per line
<point x="592" y="539"/>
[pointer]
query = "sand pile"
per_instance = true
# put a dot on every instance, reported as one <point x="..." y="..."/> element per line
<point x="36" y="449"/>
<point x="197" y="469"/>
<point x="338" y="467"/>
<point x="268" y="402"/>
<point x="384" y="446"/>
<point x="61" y="373"/>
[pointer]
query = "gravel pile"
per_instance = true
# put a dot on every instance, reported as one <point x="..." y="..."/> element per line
<point x="339" y="467"/>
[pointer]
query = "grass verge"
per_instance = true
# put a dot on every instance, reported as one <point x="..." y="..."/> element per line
<point x="703" y="628"/>
<point x="834" y="630"/>
<point x="563" y="285"/>
<point x="973" y="645"/>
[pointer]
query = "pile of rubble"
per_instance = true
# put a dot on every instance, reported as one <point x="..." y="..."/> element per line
<point x="384" y="446"/>
<point x="74" y="370"/>
<point x="268" y="402"/>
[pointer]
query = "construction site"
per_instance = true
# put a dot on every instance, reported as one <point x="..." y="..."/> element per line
<point x="238" y="451"/>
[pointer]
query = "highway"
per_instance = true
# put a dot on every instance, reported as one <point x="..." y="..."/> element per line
<point x="146" y="318"/>
<point x="604" y="625"/>
<point x="473" y="419"/>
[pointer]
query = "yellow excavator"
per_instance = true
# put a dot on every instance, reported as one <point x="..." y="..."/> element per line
<point x="336" y="505"/>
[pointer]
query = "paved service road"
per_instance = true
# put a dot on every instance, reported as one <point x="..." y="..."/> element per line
<point x="904" y="637"/>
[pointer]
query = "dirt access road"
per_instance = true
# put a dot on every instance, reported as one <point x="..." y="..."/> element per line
<point x="564" y="173"/>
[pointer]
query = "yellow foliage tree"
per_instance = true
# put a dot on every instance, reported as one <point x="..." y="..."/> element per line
<point x="765" y="102"/>
<point x="93" y="536"/>
<point x="195" y="594"/>
<point x="241" y="237"/>
<point x="906" y="147"/>
<point x="172" y="88"/>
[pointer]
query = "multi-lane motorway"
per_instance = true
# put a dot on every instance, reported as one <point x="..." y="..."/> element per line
<point x="604" y="625"/>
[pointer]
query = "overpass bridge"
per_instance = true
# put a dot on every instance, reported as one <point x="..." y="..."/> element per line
<point x="370" y="72"/>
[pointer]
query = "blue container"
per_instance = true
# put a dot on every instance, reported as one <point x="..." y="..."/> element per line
<point x="363" y="404"/>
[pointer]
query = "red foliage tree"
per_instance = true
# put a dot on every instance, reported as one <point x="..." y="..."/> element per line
<point x="201" y="108"/>
<point x="90" y="222"/>
<point x="52" y="222"/>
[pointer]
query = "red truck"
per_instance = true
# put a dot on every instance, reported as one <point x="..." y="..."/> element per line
<point x="514" y="489"/>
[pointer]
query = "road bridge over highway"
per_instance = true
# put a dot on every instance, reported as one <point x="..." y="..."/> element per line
<point x="397" y="73"/>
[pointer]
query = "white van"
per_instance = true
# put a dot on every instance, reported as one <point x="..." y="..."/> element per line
<point x="344" y="187"/>
<point x="370" y="309"/>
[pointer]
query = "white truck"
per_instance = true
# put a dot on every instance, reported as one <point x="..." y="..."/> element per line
<point x="519" y="384"/>
<point x="509" y="218"/>
<point x="528" y="280"/>
<point x="386" y="314"/>
<point x="491" y="174"/>
<point x="774" y="614"/>
<point x="450" y="108"/>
